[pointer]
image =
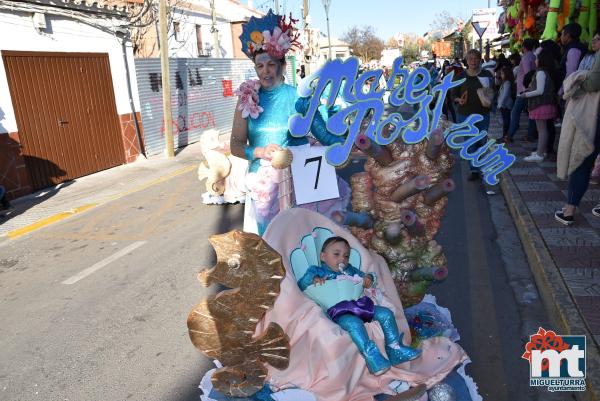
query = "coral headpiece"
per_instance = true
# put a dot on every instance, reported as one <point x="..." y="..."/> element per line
<point x="271" y="33"/>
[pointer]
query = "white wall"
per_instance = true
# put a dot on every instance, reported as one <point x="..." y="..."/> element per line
<point x="186" y="43"/>
<point x="18" y="33"/>
<point x="226" y="11"/>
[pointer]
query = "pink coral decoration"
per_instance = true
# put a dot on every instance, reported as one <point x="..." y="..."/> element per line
<point x="276" y="44"/>
<point x="248" y="95"/>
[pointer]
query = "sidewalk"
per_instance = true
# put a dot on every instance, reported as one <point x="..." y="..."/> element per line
<point x="50" y="205"/>
<point x="565" y="260"/>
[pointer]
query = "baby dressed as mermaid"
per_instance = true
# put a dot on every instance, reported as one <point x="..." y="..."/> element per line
<point x="351" y="314"/>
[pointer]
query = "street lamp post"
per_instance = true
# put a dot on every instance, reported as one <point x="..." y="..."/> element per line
<point x="326" y="4"/>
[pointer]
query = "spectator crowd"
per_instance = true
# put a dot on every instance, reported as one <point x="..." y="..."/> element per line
<point x="557" y="85"/>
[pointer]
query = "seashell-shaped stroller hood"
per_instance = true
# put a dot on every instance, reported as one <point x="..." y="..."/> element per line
<point x="308" y="254"/>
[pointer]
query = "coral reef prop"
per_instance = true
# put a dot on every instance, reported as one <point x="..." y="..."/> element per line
<point x="222" y="326"/>
<point x="403" y="191"/>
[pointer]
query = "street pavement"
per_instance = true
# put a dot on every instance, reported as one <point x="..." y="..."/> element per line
<point x="118" y="331"/>
<point x="94" y="306"/>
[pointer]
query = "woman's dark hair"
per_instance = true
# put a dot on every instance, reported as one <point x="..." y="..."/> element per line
<point x="508" y="73"/>
<point x="260" y="51"/>
<point x="334" y="240"/>
<point x="553" y="48"/>
<point x="573" y="29"/>
<point x="546" y="61"/>
<point x="530" y="44"/>
<point x="515" y="57"/>
<point x="510" y="77"/>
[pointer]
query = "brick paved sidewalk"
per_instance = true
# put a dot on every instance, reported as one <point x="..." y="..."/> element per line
<point x="565" y="260"/>
<point x="575" y="249"/>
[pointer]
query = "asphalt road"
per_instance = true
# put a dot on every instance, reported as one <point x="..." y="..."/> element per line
<point x="95" y="307"/>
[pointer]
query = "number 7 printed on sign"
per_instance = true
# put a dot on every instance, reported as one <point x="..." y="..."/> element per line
<point x="314" y="178"/>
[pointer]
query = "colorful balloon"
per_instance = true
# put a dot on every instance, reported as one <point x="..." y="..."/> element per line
<point x="593" y="19"/>
<point x="565" y="11"/>
<point x="584" y="20"/>
<point x="551" y="21"/>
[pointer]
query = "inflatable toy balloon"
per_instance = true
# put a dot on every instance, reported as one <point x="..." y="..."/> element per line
<point x="529" y="23"/>
<point x="572" y="5"/>
<point x="593" y="19"/>
<point x="551" y="21"/>
<point x="533" y="3"/>
<point x="563" y="15"/>
<point x="584" y="20"/>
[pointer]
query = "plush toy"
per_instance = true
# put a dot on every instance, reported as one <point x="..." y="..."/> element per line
<point x="550" y="31"/>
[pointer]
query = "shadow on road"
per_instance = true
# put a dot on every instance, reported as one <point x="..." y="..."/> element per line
<point x="14" y="177"/>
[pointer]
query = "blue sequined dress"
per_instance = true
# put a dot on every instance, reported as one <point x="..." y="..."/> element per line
<point x="271" y="126"/>
<point x="262" y="180"/>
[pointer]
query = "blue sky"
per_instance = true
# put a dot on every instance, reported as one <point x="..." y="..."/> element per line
<point x="387" y="16"/>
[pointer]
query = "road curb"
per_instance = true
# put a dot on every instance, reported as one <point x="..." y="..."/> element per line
<point x="46" y="221"/>
<point x="556" y="297"/>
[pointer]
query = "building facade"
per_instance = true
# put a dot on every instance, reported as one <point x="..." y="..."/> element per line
<point x="68" y="93"/>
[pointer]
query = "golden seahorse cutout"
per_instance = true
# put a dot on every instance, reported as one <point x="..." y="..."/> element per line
<point x="222" y="325"/>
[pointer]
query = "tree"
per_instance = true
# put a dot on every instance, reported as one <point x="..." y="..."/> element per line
<point x="143" y="25"/>
<point x="411" y="50"/>
<point x="364" y="43"/>
<point x="392" y="43"/>
<point x="443" y="22"/>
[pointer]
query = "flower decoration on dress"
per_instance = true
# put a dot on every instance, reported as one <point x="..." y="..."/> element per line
<point x="248" y="95"/>
<point x="272" y="33"/>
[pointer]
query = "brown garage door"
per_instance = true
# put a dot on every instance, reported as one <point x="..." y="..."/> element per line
<point x="66" y="115"/>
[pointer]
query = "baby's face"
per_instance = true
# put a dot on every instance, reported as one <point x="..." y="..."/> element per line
<point x="335" y="254"/>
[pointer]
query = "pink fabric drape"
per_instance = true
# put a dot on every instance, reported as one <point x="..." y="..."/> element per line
<point x="324" y="360"/>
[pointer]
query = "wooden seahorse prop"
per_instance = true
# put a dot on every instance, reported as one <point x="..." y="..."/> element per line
<point x="222" y="326"/>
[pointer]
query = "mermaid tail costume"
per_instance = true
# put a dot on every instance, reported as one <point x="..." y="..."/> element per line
<point x="352" y="315"/>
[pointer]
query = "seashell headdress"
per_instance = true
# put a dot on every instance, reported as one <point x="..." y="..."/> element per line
<point x="271" y="33"/>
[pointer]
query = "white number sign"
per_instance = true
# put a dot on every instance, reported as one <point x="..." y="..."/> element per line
<point x="314" y="178"/>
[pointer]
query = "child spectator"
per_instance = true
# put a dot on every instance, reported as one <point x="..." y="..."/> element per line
<point x="506" y="96"/>
<point x="541" y="101"/>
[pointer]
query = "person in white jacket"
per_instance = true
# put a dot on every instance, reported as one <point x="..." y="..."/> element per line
<point x="541" y="101"/>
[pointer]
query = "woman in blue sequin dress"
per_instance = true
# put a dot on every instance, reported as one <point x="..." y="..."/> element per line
<point x="256" y="138"/>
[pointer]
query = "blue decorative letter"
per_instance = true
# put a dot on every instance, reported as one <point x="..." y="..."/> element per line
<point x="332" y="73"/>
